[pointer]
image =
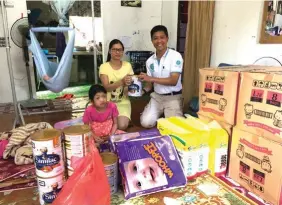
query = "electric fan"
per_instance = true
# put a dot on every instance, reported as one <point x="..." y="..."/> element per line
<point x="268" y="61"/>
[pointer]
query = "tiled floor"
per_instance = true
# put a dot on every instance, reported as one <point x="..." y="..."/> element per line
<point x="6" y="120"/>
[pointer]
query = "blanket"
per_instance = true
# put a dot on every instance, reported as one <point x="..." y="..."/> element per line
<point x="19" y="145"/>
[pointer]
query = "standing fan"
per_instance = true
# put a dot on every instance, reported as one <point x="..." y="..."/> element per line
<point x="20" y="36"/>
<point x="268" y="61"/>
<point x="19" y="32"/>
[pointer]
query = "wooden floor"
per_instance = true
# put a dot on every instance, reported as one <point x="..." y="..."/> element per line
<point x="6" y="120"/>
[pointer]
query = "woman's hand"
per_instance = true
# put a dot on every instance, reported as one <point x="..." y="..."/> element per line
<point x="127" y="80"/>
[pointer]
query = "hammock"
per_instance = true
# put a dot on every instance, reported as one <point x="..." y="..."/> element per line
<point x="55" y="76"/>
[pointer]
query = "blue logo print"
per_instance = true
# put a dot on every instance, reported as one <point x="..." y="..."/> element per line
<point x="178" y="62"/>
<point x="133" y="88"/>
<point x="152" y="66"/>
<point x="46" y="162"/>
<point x="50" y="196"/>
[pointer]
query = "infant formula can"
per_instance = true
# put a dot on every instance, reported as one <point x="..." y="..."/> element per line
<point x="47" y="153"/>
<point x="49" y="188"/>
<point x="110" y="161"/>
<point x="77" y="139"/>
<point x="135" y="89"/>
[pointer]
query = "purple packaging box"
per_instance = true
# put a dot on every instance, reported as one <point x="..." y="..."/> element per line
<point x="132" y="135"/>
<point x="104" y="147"/>
<point x="149" y="165"/>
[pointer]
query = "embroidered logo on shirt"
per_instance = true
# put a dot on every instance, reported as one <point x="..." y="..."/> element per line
<point x="152" y="67"/>
<point x="178" y="62"/>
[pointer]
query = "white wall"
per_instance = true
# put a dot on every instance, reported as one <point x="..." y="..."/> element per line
<point x="20" y="76"/>
<point x="134" y="24"/>
<point x="169" y="19"/>
<point x="236" y="34"/>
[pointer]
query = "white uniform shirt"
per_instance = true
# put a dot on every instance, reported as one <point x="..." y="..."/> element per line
<point x="171" y="62"/>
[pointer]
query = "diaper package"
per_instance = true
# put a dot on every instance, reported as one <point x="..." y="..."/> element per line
<point x="259" y="108"/>
<point x="225" y="126"/>
<point x="131" y="135"/>
<point x="200" y="131"/>
<point x="149" y="165"/>
<point x="186" y="144"/>
<point x="218" y="143"/>
<point x="254" y="164"/>
<point x="218" y="91"/>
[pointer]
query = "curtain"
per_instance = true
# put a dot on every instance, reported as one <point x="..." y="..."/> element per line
<point x="198" y="45"/>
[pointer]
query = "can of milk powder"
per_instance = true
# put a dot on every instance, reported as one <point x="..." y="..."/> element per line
<point x="135" y="89"/>
<point x="77" y="139"/>
<point x="110" y="162"/>
<point x="47" y="153"/>
<point x="49" y="188"/>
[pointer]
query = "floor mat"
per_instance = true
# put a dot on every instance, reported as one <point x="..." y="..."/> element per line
<point x="200" y="192"/>
<point x="206" y="190"/>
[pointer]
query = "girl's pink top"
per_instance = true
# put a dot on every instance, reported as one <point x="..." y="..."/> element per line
<point x="92" y="115"/>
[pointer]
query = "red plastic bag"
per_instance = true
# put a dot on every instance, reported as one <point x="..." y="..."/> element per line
<point x="88" y="185"/>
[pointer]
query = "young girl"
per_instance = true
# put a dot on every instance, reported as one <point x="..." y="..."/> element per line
<point x="101" y="115"/>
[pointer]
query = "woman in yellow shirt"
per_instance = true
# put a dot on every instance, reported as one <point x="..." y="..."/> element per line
<point x="115" y="75"/>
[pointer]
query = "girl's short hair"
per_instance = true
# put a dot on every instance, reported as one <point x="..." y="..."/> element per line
<point x="94" y="89"/>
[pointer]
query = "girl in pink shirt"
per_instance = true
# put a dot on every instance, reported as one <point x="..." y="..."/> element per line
<point x="101" y="115"/>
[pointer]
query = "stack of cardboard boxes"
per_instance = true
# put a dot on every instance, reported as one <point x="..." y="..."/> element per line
<point x="248" y="98"/>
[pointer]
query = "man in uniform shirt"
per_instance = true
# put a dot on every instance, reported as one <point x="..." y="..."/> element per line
<point x="164" y="70"/>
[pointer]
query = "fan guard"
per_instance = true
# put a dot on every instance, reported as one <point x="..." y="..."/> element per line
<point x="19" y="32"/>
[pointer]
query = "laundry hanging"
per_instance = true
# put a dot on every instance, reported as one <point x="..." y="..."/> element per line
<point x="55" y="76"/>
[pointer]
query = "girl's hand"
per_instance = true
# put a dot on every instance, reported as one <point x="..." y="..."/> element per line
<point x="99" y="140"/>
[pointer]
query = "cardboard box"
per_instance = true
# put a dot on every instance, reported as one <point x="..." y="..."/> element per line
<point x="259" y="107"/>
<point x="254" y="164"/>
<point x="218" y="94"/>
<point x="218" y="90"/>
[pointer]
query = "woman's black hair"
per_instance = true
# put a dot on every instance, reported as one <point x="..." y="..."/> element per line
<point x="94" y="89"/>
<point x="112" y="43"/>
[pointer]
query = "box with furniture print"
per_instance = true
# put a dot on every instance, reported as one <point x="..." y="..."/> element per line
<point x="254" y="164"/>
<point x="259" y="107"/>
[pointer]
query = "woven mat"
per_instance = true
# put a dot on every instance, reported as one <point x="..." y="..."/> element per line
<point x="59" y="105"/>
<point x="206" y="190"/>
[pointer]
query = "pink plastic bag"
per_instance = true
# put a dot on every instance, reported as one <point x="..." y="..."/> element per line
<point x="88" y="185"/>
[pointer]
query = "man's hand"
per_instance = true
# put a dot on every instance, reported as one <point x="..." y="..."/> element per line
<point x="144" y="77"/>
